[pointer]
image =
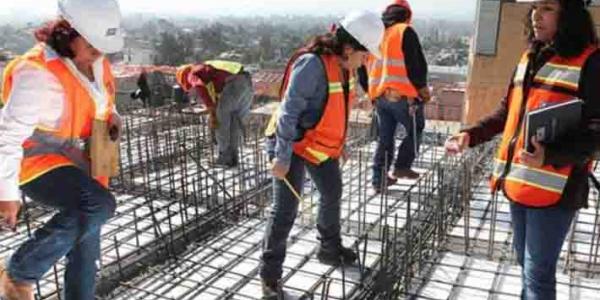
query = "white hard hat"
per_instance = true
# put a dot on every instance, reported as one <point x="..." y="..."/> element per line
<point x="98" y="21"/>
<point x="367" y="28"/>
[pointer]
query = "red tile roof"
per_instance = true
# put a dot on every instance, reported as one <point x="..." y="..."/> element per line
<point x="123" y="70"/>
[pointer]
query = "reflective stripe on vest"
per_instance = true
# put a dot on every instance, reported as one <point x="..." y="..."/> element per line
<point x="553" y="74"/>
<point x="227" y="66"/>
<point x="210" y="88"/>
<point x="390" y="72"/>
<point x="535" y="177"/>
<point x="390" y="62"/>
<point x="337" y="87"/>
<point x="318" y="155"/>
<point x="389" y="80"/>
<point x="520" y="73"/>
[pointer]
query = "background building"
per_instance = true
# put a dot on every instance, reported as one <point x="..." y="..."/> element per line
<point x="498" y="43"/>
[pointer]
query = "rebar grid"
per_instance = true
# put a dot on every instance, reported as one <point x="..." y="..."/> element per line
<point x="187" y="230"/>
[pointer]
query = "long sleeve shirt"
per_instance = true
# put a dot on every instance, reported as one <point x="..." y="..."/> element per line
<point x="37" y="99"/>
<point x="303" y="104"/>
<point x="201" y="76"/>
<point x="576" y="148"/>
<point x="416" y="64"/>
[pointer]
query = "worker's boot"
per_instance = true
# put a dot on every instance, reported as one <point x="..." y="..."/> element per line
<point x="336" y="255"/>
<point x="11" y="290"/>
<point x="227" y="159"/>
<point x="378" y="188"/>
<point x="271" y="290"/>
<point x="224" y="162"/>
<point x="406" y="173"/>
<point x="235" y="159"/>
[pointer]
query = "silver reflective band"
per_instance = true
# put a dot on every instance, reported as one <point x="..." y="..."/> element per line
<point x="520" y="74"/>
<point x="535" y="177"/>
<point x="389" y="62"/>
<point x="559" y="74"/>
<point x="50" y="144"/>
<point x="390" y="79"/>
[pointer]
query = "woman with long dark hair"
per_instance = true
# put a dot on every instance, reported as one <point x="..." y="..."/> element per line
<point x="545" y="185"/>
<point x="309" y="133"/>
<point x="53" y="96"/>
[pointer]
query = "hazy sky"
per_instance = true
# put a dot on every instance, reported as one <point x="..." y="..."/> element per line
<point x="426" y="8"/>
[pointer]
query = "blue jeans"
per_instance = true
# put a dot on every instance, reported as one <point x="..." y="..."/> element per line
<point x="232" y="109"/>
<point x="328" y="180"/>
<point x="538" y="235"/>
<point x="83" y="207"/>
<point x="389" y="114"/>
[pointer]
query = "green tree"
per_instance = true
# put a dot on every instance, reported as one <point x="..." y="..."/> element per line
<point x="174" y="49"/>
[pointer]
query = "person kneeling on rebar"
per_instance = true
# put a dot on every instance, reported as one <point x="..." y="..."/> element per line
<point x="308" y="132"/>
<point x="226" y="90"/>
<point x="56" y="96"/>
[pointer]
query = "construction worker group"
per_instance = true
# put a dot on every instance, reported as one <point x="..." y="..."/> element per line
<point x="61" y="94"/>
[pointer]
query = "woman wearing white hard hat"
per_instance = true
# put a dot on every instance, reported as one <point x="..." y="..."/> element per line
<point x="52" y="96"/>
<point x="308" y="133"/>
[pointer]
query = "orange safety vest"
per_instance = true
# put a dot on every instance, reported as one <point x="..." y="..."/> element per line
<point x="390" y="71"/>
<point x="326" y="139"/>
<point x="557" y="81"/>
<point x="51" y="148"/>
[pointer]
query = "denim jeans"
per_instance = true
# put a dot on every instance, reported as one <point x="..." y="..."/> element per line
<point x="538" y="235"/>
<point x="83" y="207"/>
<point x="389" y="114"/>
<point x="328" y="180"/>
<point x="233" y="107"/>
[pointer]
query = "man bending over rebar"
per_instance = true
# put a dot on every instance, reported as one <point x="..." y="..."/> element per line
<point x="226" y="90"/>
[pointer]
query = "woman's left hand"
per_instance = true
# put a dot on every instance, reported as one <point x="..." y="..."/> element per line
<point x="535" y="159"/>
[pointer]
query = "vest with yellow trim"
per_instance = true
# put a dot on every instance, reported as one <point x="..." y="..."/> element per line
<point x="390" y="71"/>
<point x="555" y="82"/>
<point x="51" y="148"/>
<point x="227" y="66"/>
<point x="326" y="139"/>
<point x="223" y="65"/>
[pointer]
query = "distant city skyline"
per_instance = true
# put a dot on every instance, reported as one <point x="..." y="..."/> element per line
<point x="446" y="9"/>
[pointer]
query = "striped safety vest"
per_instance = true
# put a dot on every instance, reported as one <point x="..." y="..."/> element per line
<point x="326" y="139"/>
<point x="223" y="65"/>
<point x="390" y="71"/>
<point x="557" y="81"/>
<point x="51" y="148"/>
